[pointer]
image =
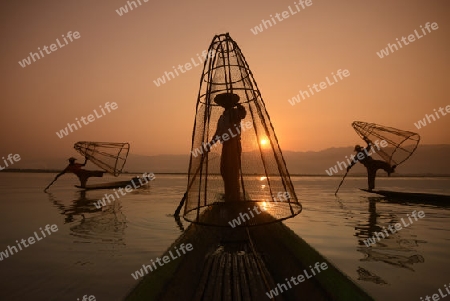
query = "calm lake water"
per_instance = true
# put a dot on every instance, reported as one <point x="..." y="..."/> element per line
<point x="95" y="251"/>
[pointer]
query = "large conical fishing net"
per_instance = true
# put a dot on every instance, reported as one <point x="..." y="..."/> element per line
<point x="246" y="167"/>
<point x="400" y="144"/>
<point x="109" y="156"/>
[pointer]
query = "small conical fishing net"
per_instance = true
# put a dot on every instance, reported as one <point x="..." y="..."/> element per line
<point x="109" y="156"/>
<point x="236" y="162"/>
<point x="400" y="144"/>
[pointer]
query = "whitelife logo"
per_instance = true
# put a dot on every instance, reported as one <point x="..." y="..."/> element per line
<point x="411" y="38"/>
<point x="16" y="158"/>
<point x="146" y="177"/>
<point x="90" y="118"/>
<point x="31" y="240"/>
<point x="280" y="17"/>
<point x="34" y="55"/>
<point x="169" y="75"/>
<point x="397" y="227"/>
<point x="353" y="159"/>
<point x="319" y="87"/>
<point x="436" y="296"/>
<point x="423" y="122"/>
<point x="165" y="259"/>
<point x="86" y="298"/>
<point x="300" y="278"/>
<point x="242" y="127"/>
<point x="124" y="9"/>
<point x="281" y="197"/>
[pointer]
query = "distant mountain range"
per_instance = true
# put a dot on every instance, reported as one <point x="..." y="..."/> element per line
<point x="427" y="160"/>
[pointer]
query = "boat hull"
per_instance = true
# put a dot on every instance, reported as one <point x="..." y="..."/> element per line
<point x="112" y="185"/>
<point x="279" y="253"/>
<point x="413" y="197"/>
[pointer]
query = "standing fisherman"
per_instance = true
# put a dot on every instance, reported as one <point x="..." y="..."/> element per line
<point x="230" y="160"/>
<point x="82" y="174"/>
<point x="372" y="165"/>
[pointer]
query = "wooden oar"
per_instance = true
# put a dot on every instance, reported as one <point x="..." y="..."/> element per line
<point x="45" y="190"/>
<point x="341" y="183"/>
<point x="177" y="211"/>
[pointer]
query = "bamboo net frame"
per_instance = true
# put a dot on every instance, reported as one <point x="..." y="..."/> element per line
<point x="109" y="156"/>
<point x="264" y="180"/>
<point x="401" y="144"/>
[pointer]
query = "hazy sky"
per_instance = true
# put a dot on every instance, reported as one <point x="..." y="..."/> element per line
<point x="117" y="58"/>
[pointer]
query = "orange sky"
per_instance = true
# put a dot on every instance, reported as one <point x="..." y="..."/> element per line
<point x="117" y="58"/>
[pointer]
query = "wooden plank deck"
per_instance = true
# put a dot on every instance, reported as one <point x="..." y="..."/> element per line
<point x="231" y="274"/>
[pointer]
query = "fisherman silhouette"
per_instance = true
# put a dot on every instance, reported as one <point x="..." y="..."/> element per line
<point x="82" y="174"/>
<point x="372" y="165"/>
<point x="228" y="126"/>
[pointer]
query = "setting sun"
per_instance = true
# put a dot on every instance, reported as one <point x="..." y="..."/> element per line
<point x="264" y="142"/>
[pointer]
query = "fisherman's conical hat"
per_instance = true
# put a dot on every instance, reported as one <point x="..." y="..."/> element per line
<point x="227" y="100"/>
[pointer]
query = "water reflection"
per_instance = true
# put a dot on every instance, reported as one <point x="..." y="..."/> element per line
<point x="365" y="230"/>
<point x="178" y="222"/>
<point x="397" y="249"/>
<point x="76" y="207"/>
<point x="89" y="224"/>
<point x="366" y="275"/>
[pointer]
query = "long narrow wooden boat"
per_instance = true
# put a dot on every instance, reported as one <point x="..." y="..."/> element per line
<point x="134" y="183"/>
<point x="413" y="197"/>
<point x="244" y="264"/>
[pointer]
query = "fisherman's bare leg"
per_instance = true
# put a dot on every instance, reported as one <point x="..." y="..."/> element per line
<point x="229" y="169"/>
<point x="83" y="180"/>
<point x="86" y="174"/>
<point x="371" y="174"/>
<point x="386" y="167"/>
